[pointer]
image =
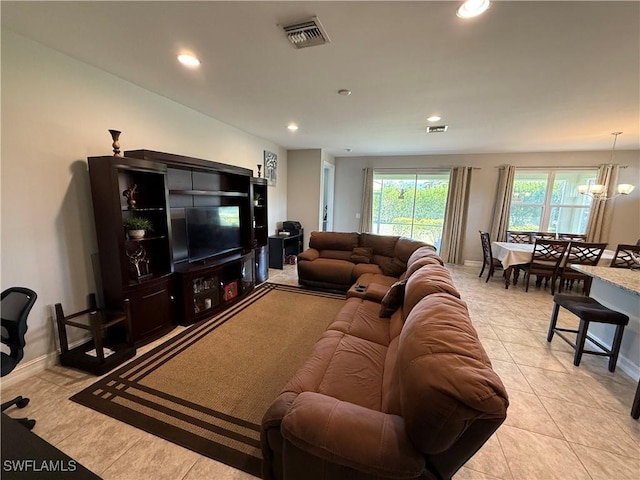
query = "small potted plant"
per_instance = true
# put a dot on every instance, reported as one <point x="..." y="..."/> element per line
<point x="257" y="200"/>
<point x="137" y="226"/>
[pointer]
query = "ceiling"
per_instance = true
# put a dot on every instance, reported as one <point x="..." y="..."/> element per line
<point x="524" y="77"/>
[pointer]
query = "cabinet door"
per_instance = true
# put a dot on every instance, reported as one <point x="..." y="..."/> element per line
<point x="152" y="307"/>
<point x="262" y="266"/>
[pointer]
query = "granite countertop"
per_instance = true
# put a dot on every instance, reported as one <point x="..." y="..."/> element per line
<point x="620" y="277"/>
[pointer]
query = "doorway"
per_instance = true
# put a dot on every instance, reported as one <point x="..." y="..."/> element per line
<point x="326" y="211"/>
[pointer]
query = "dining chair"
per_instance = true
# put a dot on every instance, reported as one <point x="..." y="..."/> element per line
<point x="545" y="262"/>
<point x="574" y="237"/>
<point x="487" y="255"/>
<point x="518" y="237"/>
<point x="544" y="235"/>
<point x="580" y="253"/>
<point x="626" y="256"/>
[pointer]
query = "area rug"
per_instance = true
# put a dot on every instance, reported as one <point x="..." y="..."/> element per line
<point x="207" y="388"/>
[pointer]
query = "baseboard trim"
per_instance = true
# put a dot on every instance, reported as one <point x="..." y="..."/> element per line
<point x="38" y="365"/>
<point x="472" y="263"/>
<point x="29" y="369"/>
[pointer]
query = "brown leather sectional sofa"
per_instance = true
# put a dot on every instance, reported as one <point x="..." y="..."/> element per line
<point x="335" y="260"/>
<point x="409" y="396"/>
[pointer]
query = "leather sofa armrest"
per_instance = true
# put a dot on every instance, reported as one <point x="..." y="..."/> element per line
<point x="375" y="292"/>
<point x="347" y="434"/>
<point x="309" y="254"/>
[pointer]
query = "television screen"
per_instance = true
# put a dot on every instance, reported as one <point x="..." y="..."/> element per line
<point x="212" y="230"/>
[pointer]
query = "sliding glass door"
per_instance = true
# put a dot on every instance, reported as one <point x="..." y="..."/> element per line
<point x="410" y="204"/>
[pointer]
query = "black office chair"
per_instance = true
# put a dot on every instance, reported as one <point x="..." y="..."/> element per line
<point x="15" y="305"/>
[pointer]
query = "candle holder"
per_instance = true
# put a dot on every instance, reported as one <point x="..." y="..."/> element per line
<point x="115" y="136"/>
<point x="259" y="172"/>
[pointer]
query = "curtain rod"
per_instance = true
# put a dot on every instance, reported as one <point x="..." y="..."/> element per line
<point x="422" y="169"/>
<point x="587" y="167"/>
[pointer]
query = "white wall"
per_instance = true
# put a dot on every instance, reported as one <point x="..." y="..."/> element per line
<point x="625" y="227"/>
<point x="55" y="112"/>
<point x="304" y="189"/>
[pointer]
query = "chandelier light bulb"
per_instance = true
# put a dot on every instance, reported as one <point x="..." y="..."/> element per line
<point x="625" y="188"/>
<point x="598" y="191"/>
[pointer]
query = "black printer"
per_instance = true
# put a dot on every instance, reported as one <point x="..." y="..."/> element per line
<point x="292" y="226"/>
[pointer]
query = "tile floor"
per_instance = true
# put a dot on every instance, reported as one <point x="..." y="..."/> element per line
<point x="564" y="422"/>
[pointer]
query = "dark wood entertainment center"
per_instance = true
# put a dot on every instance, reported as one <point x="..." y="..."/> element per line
<point x="159" y="274"/>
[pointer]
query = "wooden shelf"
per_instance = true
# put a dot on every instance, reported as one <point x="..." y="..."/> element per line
<point x="148" y="209"/>
<point x="209" y="193"/>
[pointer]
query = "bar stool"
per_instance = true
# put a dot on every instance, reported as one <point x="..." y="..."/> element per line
<point x="588" y="310"/>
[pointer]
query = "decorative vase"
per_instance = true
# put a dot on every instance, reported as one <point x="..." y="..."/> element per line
<point x="136" y="233"/>
<point x="259" y="172"/>
<point x="115" y="136"/>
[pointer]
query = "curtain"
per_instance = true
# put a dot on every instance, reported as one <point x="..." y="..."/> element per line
<point x="601" y="210"/>
<point x="455" y="217"/>
<point x="502" y="205"/>
<point x="367" y="201"/>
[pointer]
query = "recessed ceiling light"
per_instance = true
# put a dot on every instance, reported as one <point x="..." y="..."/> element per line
<point x="344" y="92"/>
<point x="188" y="60"/>
<point x="434" y="118"/>
<point x="473" y="8"/>
<point x="293" y="127"/>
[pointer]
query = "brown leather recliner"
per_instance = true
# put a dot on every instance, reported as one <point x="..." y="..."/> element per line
<point x="411" y="396"/>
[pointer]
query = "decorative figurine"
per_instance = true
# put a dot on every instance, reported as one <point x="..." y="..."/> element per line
<point x="130" y="194"/>
<point x="139" y="259"/>
<point x="115" y="136"/>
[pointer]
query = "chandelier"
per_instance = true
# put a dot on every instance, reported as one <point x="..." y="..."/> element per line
<point x="598" y="191"/>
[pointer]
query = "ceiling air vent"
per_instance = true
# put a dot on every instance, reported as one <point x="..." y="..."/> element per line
<point x="307" y="33"/>
<point x="437" y="129"/>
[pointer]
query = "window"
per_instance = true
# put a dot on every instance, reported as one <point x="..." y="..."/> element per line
<point x="548" y="201"/>
<point x="410" y="204"/>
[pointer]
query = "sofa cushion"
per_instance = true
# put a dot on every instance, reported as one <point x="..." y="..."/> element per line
<point x="359" y="318"/>
<point x="427" y="280"/>
<point x="406" y="246"/>
<point x="355" y="371"/>
<point x="391" y="266"/>
<point x="382" y="244"/>
<point x="393" y="299"/>
<point x="336" y="255"/>
<point x="460" y="386"/>
<point x="333" y="240"/>
<point x="361" y="255"/>
<point x="360" y="269"/>
<point x="421" y="262"/>
<point x="327" y="270"/>
<point x="424" y="252"/>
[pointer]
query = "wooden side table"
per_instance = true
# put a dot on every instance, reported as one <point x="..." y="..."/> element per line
<point x="106" y="349"/>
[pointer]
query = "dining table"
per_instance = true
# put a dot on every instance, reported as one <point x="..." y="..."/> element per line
<point x="513" y="254"/>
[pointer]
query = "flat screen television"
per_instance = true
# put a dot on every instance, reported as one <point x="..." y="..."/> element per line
<point x="212" y="231"/>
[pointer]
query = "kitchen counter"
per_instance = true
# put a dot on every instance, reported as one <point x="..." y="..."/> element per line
<point x="618" y="289"/>
<point x="619" y="277"/>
